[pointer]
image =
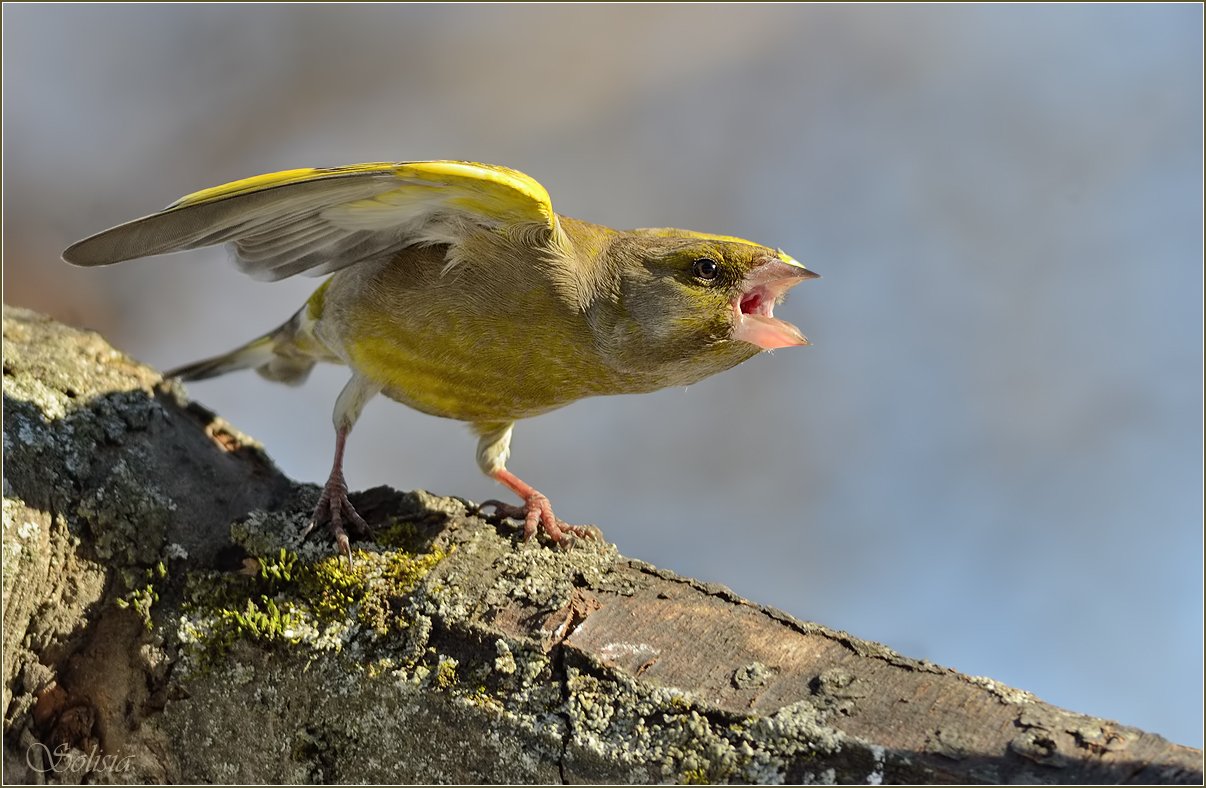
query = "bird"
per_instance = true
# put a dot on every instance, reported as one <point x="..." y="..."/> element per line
<point x="455" y="288"/>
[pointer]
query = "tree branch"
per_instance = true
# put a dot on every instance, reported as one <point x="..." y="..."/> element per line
<point x="163" y="621"/>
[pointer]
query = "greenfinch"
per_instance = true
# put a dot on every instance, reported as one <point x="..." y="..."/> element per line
<point x="457" y="290"/>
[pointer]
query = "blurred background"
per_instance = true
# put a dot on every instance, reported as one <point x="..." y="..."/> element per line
<point x="992" y="455"/>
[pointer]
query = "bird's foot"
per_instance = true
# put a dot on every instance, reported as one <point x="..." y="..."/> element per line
<point x="537" y="513"/>
<point x="336" y="511"/>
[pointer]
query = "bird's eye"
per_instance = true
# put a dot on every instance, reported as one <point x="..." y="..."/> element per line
<point x="705" y="269"/>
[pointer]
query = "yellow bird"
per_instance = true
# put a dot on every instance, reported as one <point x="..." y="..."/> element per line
<point x="458" y="291"/>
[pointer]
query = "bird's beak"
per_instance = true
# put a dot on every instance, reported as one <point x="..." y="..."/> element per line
<point x="753" y="311"/>
<point x="802" y="272"/>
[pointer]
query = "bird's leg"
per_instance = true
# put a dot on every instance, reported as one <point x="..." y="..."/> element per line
<point x="536" y="512"/>
<point x="333" y="507"/>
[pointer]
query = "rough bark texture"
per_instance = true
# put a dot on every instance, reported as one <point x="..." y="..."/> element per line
<point x="163" y="621"/>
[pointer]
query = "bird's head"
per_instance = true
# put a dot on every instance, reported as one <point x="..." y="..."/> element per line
<point x="706" y="301"/>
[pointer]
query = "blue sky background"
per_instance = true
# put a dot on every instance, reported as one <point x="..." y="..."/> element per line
<point x="992" y="455"/>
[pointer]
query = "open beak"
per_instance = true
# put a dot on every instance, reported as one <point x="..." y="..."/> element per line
<point x="754" y="318"/>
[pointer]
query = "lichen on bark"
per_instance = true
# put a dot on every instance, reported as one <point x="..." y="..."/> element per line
<point x="162" y="611"/>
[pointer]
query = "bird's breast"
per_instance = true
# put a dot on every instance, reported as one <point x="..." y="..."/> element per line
<point x="443" y="376"/>
<point x="467" y="345"/>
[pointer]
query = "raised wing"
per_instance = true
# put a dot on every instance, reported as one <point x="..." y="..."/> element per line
<point x="320" y="220"/>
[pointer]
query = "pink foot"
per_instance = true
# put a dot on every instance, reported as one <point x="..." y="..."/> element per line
<point x="537" y="513"/>
<point x="334" y="508"/>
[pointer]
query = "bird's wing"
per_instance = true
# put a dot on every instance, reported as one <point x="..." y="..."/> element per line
<point x="320" y="220"/>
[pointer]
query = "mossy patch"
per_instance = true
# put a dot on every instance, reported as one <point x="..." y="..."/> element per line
<point x="143" y="591"/>
<point x="286" y="599"/>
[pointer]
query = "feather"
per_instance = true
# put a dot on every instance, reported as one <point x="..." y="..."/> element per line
<point x="317" y="221"/>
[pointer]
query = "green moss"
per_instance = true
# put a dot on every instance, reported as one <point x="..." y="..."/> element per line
<point x="399" y="534"/>
<point x="262" y="621"/>
<point x="278" y="569"/>
<point x="284" y="599"/>
<point x="143" y="593"/>
<point x="405" y="571"/>
<point x="694" y="777"/>
<point x="140" y="600"/>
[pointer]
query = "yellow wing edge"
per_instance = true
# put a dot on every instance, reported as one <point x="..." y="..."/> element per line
<point x="519" y="193"/>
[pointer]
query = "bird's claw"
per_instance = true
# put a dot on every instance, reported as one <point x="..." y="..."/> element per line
<point x="537" y="513"/>
<point x="591" y="533"/>
<point x="335" y="510"/>
<point x="502" y="510"/>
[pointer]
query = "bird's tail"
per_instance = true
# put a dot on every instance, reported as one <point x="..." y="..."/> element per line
<point x="283" y="355"/>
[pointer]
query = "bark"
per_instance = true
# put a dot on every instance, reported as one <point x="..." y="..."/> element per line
<point x="164" y="621"/>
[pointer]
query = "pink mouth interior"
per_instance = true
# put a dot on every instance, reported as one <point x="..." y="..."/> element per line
<point x="755" y="303"/>
<point x="755" y="321"/>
